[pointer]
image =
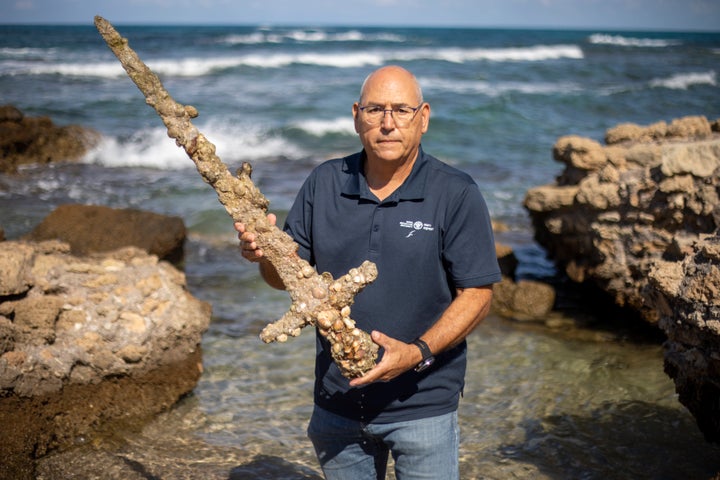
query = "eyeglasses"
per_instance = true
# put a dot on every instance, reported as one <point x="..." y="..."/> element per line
<point x="373" y="115"/>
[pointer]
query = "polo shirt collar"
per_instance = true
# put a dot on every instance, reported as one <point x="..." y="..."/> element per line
<point x="413" y="188"/>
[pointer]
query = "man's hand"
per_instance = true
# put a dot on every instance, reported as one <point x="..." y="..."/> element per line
<point x="251" y="252"/>
<point x="248" y="247"/>
<point x="469" y="308"/>
<point x="398" y="358"/>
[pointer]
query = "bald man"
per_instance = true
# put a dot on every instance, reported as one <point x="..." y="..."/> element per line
<point x="427" y="228"/>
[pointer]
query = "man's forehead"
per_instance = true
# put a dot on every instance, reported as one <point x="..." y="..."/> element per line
<point x="393" y="96"/>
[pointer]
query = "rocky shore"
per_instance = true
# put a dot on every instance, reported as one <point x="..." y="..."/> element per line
<point x="94" y="341"/>
<point x="638" y="218"/>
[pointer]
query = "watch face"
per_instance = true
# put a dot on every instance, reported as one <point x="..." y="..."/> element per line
<point x="425" y="364"/>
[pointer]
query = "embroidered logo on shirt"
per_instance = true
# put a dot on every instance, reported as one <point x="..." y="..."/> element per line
<point x="416" y="226"/>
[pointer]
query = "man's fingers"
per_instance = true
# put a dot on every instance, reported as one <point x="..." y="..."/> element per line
<point x="248" y="248"/>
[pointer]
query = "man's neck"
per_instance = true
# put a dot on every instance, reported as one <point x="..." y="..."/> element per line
<point x="384" y="177"/>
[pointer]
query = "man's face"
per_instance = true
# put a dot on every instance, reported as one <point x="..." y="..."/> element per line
<point x="385" y="140"/>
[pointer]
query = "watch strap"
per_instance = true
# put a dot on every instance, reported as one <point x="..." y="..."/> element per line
<point x="424" y="349"/>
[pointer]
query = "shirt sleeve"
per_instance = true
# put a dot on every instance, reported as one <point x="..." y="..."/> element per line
<point x="468" y="242"/>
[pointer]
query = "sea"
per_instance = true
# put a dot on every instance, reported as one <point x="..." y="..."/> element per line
<point x="586" y="400"/>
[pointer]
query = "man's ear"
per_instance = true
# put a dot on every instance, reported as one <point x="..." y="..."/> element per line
<point x="356" y="120"/>
<point x="425" y="117"/>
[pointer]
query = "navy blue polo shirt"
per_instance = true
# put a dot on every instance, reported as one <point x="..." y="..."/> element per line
<point x="429" y="237"/>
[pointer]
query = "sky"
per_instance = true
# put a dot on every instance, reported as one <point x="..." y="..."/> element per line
<point x="684" y="15"/>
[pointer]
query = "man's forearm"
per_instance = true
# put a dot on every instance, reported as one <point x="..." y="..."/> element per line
<point x="270" y="275"/>
<point x="461" y="317"/>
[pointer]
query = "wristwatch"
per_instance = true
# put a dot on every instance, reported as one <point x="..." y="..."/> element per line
<point x="427" y="356"/>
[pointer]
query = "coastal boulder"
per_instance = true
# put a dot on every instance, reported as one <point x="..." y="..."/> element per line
<point x="524" y="300"/>
<point x="37" y="140"/>
<point x="638" y="218"/>
<point x="687" y="294"/>
<point x="617" y="208"/>
<point x="519" y="299"/>
<point x="89" y="344"/>
<point x="92" y="228"/>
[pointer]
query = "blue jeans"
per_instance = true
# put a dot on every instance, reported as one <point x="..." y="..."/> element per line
<point x="422" y="449"/>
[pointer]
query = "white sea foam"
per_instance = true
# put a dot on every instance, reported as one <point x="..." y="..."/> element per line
<point x="197" y="66"/>
<point x="26" y="52"/>
<point x="474" y="87"/>
<point x="319" y="128"/>
<point x="533" y="53"/>
<point x="621" y="41"/>
<point x="308" y="36"/>
<point x="188" y="67"/>
<point x="682" y="81"/>
<point x="101" y="69"/>
<point x="152" y="148"/>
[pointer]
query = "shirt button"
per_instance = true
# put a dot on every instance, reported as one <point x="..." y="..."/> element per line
<point x="376" y="228"/>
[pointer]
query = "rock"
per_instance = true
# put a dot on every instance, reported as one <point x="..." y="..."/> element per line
<point x="88" y="229"/>
<point x="523" y="300"/>
<point x="630" y="132"/>
<point x="690" y="128"/>
<point x="14" y="268"/>
<point x="30" y="140"/>
<point x="88" y="344"/>
<point x="642" y="226"/>
<point x="606" y="222"/>
<point x="688" y="294"/>
<point x="8" y="113"/>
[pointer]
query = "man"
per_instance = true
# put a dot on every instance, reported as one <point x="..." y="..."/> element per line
<point x="427" y="228"/>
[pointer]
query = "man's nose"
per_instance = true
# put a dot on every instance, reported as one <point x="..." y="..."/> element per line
<point x="388" y="121"/>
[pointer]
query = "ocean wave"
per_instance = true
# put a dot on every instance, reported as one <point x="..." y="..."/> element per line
<point x="474" y="87"/>
<point x="619" y="40"/>
<point x="22" y="52"/>
<point x="380" y="57"/>
<point x="337" y="60"/>
<point x="308" y="36"/>
<point x="151" y="148"/>
<point x="197" y="67"/>
<point x="533" y="53"/>
<point x="683" y="81"/>
<point x="453" y="55"/>
<point x="320" y="128"/>
<point x="103" y="69"/>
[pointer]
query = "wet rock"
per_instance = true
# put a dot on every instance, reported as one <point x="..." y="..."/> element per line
<point x="87" y="344"/>
<point x="617" y="208"/>
<point x="91" y="228"/>
<point x="638" y="218"/>
<point x="688" y="297"/>
<point x="37" y="140"/>
<point x="523" y="300"/>
<point x="519" y="299"/>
